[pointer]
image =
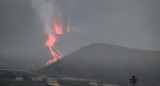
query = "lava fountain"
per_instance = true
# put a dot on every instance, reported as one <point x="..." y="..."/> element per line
<point x="56" y="23"/>
<point x="57" y="29"/>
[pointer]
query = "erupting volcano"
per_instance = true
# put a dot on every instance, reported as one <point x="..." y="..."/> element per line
<point x="56" y="29"/>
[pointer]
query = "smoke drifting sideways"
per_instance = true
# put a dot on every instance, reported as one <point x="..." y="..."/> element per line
<point x="54" y="25"/>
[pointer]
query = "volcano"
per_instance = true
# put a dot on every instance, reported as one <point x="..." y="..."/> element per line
<point x="108" y="63"/>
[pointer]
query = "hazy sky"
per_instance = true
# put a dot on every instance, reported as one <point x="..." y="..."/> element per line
<point x="130" y="23"/>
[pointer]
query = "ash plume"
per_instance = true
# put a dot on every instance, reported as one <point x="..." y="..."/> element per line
<point x="45" y="9"/>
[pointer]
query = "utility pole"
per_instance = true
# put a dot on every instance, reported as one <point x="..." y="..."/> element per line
<point x="133" y="80"/>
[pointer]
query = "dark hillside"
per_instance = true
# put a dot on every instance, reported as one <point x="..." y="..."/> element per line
<point x="108" y="63"/>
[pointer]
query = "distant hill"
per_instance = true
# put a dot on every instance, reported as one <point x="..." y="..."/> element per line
<point x="109" y="64"/>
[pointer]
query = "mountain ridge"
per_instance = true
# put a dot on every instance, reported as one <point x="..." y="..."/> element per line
<point x="108" y="63"/>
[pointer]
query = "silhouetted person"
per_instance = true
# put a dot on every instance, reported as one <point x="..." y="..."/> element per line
<point x="133" y="80"/>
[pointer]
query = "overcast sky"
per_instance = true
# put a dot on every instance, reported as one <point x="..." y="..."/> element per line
<point x="130" y="23"/>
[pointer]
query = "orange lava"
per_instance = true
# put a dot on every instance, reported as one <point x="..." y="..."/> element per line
<point x="55" y="53"/>
<point x="68" y="27"/>
<point x="57" y="30"/>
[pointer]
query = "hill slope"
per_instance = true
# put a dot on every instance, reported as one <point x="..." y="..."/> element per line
<point x="108" y="63"/>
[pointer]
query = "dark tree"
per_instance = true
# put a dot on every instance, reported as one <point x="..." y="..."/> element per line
<point x="133" y="80"/>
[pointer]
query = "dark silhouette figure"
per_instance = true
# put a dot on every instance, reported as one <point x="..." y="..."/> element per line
<point x="133" y="80"/>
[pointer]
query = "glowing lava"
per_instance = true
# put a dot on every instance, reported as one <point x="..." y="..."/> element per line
<point x="57" y="30"/>
<point x="55" y="53"/>
<point x="68" y="27"/>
